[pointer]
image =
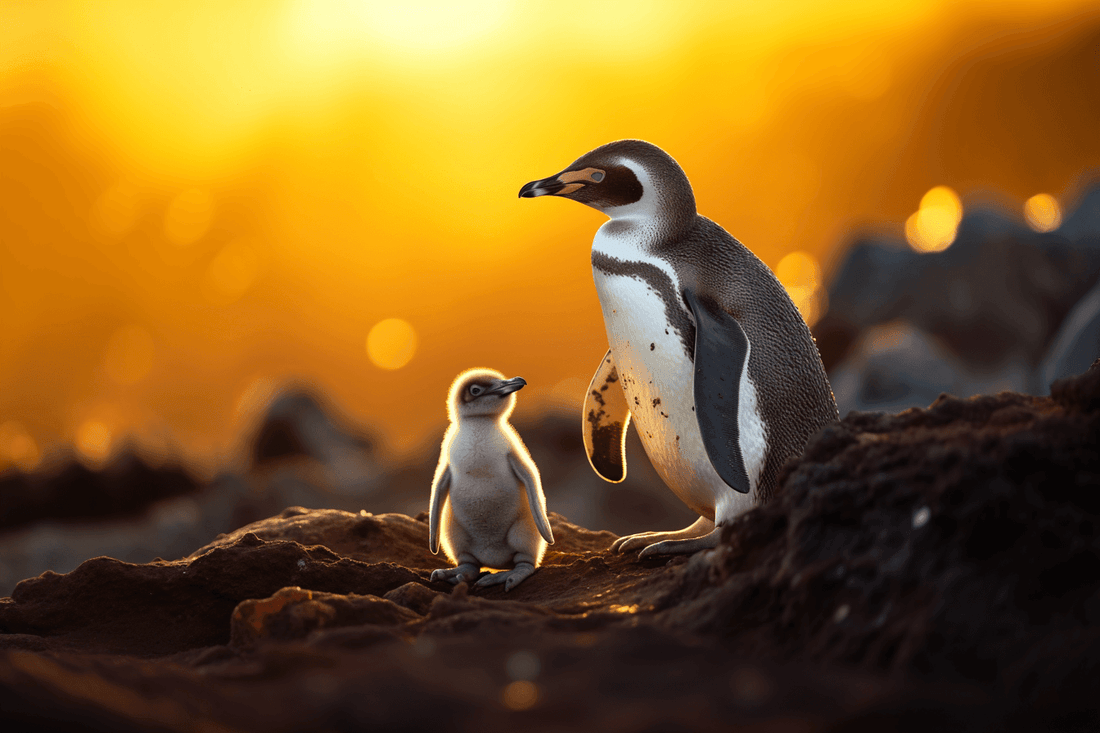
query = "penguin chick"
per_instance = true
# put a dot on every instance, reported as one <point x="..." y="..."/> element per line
<point x="487" y="507"/>
<point x="708" y="356"/>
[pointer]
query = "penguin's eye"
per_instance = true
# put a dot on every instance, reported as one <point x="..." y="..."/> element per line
<point x="476" y="389"/>
<point x="597" y="176"/>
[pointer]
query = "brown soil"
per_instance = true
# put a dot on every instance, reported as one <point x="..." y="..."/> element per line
<point x="939" y="567"/>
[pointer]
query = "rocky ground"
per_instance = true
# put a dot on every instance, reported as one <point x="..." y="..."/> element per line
<point x="936" y="568"/>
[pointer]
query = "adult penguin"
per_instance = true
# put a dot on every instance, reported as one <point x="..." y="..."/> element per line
<point x="709" y="356"/>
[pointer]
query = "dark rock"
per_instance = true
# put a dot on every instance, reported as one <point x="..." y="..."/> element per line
<point x="304" y="453"/>
<point x="413" y="596"/>
<point x="996" y="296"/>
<point x="1076" y="344"/>
<point x="297" y="426"/>
<point x="895" y="366"/>
<point x="165" y="608"/>
<point x="125" y="488"/>
<point x="293" y="613"/>
<point x="1078" y="393"/>
<point x="1083" y="220"/>
<point x="364" y="537"/>
<point x="170" y="528"/>
<point x="868" y="287"/>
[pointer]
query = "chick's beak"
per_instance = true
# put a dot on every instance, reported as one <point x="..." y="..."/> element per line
<point x="507" y="386"/>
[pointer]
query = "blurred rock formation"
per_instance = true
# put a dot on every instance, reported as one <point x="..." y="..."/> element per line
<point x="1075" y="344"/>
<point x="980" y="316"/>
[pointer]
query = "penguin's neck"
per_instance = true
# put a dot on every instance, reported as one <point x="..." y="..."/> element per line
<point x="636" y="238"/>
<point x="482" y="421"/>
<point x="661" y="215"/>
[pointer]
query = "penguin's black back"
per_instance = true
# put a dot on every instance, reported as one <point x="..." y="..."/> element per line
<point x="793" y="393"/>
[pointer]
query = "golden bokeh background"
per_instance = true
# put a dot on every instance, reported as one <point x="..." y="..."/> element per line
<point x="201" y="202"/>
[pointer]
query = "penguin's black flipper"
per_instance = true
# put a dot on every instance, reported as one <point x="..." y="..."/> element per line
<point x="721" y="355"/>
<point x="606" y="417"/>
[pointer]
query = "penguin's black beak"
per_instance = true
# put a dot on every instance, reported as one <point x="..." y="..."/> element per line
<point x="507" y="386"/>
<point x="545" y="187"/>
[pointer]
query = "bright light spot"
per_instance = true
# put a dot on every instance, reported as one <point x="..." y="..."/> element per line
<point x="116" y="211"/>
<point x="391" y="343"/>
<point x="523" y="666"/>
<point x="231" y="272"/>
<point x="921" y="517"/>
<point x="934" y="226"/>
<point x="93" y="440"/>
<point x="520" y="695"/>
<point x="1043" y="213"/>
<point x="942" y="197"/>
<point x="798" y="268"/>
<point x="129" y="355"/>
<point x="413" y="25"/>
<point x="800" y="275"/>
<point x="189" y="216"/>
<point x="431" y="24"/>
<point x="17" y="447"/>
<point x="841" y="613"/>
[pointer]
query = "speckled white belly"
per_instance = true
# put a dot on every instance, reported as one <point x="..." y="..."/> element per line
<point x="658" y="379"/>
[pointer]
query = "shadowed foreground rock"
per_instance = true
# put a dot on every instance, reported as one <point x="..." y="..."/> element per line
<point x="959" y="543"/>
<point x="937" y="568"/>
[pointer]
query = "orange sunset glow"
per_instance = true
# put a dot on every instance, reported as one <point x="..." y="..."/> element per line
<point x="203" y="202"/>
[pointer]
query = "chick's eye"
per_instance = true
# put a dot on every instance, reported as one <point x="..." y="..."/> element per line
<point x="597" y="176"/>
<point x="476" y="389"/>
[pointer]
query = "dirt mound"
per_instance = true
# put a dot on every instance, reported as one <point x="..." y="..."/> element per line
<point x="961" y="542"/>
<point x="938" y="567"/>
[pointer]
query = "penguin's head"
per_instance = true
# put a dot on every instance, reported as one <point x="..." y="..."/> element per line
<point x="483" y="392"/>
<point x="623" y="179"/>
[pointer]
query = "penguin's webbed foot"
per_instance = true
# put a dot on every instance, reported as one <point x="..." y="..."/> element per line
<point x="683" y="547"/>
<point x="510" y="578"/>
<point x="467" y="572"/>
<point x="699" y="529"/>
<point x="632" y="542"/>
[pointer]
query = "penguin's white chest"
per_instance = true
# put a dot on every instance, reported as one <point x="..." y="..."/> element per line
<point x="658" y="378"/>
